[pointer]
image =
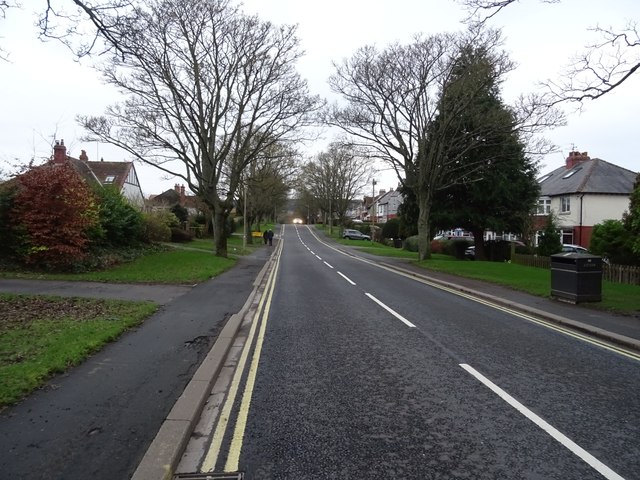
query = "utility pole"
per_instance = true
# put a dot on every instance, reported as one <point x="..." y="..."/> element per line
<point x="330" y="217"/>
<point x="244" y="221"/>
<point x="373" y="209"/>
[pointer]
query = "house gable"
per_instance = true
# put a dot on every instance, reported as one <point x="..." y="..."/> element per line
<point x="587" y="175"/>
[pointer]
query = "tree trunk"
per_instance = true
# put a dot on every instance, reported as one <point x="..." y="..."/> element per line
<point x="219" y="234"/>
<point x="424" y="236"/>
<point x="478" y="241"/>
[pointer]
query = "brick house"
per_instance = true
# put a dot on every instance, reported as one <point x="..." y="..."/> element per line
<point x="582" y="193"/>
<point x="176" y="196"/>
<point x="120" y="174"/>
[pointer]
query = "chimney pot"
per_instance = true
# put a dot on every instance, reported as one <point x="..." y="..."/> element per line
<point x="59" y="152"/>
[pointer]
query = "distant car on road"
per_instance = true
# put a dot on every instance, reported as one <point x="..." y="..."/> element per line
<point x="354" y="235"/>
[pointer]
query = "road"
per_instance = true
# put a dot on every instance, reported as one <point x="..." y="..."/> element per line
<point x="350" y="370"/>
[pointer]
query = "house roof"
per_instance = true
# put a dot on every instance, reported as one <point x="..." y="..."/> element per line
<point x="386" y="197"/>
<point x="176" y="196"/>
<point x="593" y="175"/>
<point x="105" y="173"/>
<point x="111" y="173"/>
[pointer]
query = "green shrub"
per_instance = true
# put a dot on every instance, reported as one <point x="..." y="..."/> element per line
<point x="411" y="243"/>
<point x="455" y="248"/>
<point x="612" y="240"/>
<point x="119" y="223"/>
<point x="155" y="228"/>
<point x="549" y="241"/>
<point x="181" y="213"/>
<point x="10" y="238"/>
<point x="391" y="229"/>
<point x="179" y="235"/>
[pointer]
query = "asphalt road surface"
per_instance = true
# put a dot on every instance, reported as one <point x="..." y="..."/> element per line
<point x="353" y="371"/>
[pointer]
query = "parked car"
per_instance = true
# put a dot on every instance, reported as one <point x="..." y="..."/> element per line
<point x="567" y="247"/>
<point x="354" y="235"/>
<point x="470" y="253"/>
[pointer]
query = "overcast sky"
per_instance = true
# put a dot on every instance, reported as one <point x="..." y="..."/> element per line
<point x="43" y="88"/>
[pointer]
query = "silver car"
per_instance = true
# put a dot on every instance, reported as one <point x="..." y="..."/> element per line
<point x="354" y="235"/>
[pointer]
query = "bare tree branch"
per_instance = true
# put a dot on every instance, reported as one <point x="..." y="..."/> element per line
<point x="480" y="11"/>
<point x="603" y="67"/>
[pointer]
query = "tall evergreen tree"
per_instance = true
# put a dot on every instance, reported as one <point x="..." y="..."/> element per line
<point x="632" y="217"/>
<point x="494" y="186"/>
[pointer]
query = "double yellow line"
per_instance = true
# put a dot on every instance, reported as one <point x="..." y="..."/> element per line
<point x="260" y="319"/>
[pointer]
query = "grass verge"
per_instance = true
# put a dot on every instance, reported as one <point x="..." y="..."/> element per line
<point x="179" y="266"/>
<point x="43" y="335"/>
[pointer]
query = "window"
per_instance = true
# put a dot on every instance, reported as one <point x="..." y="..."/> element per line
<point x="109" y="179"/>
<point x="575" y="170"/>
<point x="544" y="178"/>
<point x="565" y="204"/>
<point x="544" y="206"/>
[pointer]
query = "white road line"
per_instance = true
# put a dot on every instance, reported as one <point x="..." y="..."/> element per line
<point x="391" y="311"/>
<point x="596" y="464"/>
<point x="318" y="257"/>
<point x="328" y="265"/>
<point x="347" y="278"/>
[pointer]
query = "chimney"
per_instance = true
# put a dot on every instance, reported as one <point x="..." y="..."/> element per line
<point x="575" y="158"/>
<point x="182" y="195"/>
<point x="83" y="156"/>
<point x="59" y="152"/>
<point x="176" y="187"/>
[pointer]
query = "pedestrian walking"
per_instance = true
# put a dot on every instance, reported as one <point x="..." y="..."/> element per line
<point x="270" y="236"/>
<point x="265" y="236"/>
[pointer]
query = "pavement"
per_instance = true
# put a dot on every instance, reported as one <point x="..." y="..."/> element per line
<point x="165" y="450"/>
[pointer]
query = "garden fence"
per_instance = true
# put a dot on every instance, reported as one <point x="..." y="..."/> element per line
<point x="613" y="273"/>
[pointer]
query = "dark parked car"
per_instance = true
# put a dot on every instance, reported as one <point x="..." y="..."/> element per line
<point x="354" y="235"/>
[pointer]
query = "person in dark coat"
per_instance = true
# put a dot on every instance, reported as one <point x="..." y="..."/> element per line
<point x="265" y="236"/>
<point x="270" y="236"/>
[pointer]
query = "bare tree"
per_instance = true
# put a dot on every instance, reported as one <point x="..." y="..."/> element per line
<point x="266" y="184"/>
<point x="603" y="66"/>
<point x="208" y="91"/>
<point x="335" y="178"/>
<point x="396" y="109"/>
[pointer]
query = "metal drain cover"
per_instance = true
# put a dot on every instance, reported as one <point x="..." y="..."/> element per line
<point x="210" y="476"/>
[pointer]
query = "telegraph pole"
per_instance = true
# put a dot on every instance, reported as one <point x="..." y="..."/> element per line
<point x="373" y="209"/>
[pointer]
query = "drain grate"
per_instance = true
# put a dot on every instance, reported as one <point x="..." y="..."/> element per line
<point x="209" y="476"/>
